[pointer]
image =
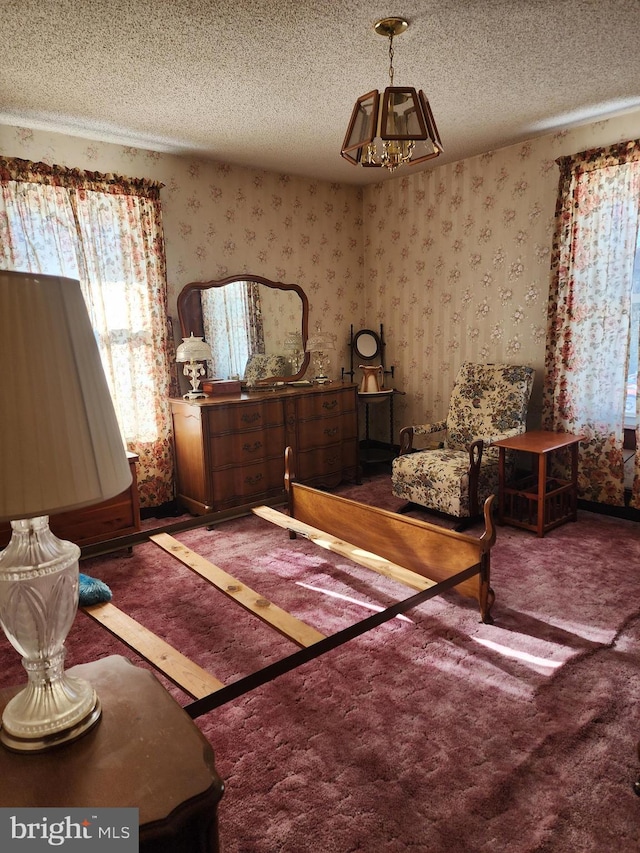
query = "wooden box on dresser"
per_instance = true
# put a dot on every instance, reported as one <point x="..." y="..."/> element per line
<point x="230" y="450"/>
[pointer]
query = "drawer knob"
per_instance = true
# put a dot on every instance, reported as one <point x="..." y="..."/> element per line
<point x="251" y="448"/>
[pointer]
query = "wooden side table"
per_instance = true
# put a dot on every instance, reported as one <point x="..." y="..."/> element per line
<point x="370" y="452"/>
<point x="538" y="502"/>
<point x="144" y="753"/>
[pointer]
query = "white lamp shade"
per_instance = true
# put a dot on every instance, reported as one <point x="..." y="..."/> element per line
<point x="320" y="342"/>
<point x="193" y="349"/>
<point x="60" y="443"/>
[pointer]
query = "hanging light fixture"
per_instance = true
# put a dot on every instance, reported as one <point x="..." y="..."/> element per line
<point x="393" y="128"/>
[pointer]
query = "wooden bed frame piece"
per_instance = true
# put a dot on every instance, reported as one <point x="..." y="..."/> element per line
<point x="404" y="543"/>
<point x="419" y="555"/>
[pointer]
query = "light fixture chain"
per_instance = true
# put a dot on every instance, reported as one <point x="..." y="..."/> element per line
<point x="391" y="59"/>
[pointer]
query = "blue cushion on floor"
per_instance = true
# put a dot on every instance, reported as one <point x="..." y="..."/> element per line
<point x="92" y="591"/>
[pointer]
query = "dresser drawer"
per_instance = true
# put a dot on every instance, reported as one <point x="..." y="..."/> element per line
<point x="320" y="466"/>
<point x="244" y="448"/>
<point x="319" y="432"/>
<point x="244" y="416"/>
<point x="320" y="405"/>
<point x="240" y="484"/>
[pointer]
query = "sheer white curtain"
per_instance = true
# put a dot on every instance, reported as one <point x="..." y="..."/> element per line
<point x="232" y="326"/>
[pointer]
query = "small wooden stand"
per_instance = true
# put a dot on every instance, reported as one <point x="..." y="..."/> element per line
<point x="144" y="753"/>
<point x="373" y="352"/>
<point x="538" y="502"/>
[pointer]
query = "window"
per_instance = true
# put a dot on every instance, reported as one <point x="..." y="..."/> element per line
<point x="591" y="364"/>
<point x="106" y="232"/>
<point x="630" y="410"/>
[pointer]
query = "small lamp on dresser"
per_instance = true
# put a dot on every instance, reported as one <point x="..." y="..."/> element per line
<point x="192" y="352"/>
<point x="60" y="449"/>
<point x="320" y="344"/>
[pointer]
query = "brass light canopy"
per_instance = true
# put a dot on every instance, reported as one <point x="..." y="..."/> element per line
<point x="396" y="127"/>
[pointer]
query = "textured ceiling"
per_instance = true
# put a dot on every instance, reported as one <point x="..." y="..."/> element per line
<point x="272" y="84"/>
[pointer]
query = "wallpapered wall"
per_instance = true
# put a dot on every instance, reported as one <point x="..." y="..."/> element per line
<point x="457" y="263"/>
<point x="454" y="261"/>
<point x="220" y="220"/>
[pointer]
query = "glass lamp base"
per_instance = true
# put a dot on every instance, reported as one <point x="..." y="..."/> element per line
<point x="35" y="741"/>
<point x="38" y="603"/>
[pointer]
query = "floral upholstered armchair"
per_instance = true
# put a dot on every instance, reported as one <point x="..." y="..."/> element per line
<point x="488" y="402"/>
<point x="260" y="366"/>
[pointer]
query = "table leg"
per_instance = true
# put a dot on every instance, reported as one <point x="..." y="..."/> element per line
<point x="501" y="484"/>
<point x="542" y="488"/>
<point x="574" y="481"/>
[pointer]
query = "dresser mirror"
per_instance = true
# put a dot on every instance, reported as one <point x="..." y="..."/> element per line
<point x="250" y="322"/>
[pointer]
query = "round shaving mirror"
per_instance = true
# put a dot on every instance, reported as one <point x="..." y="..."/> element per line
<point x="366" y="344"/>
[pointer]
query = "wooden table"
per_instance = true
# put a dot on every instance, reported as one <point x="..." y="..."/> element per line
<point x="538" y="502"/>
<point x="145" y="753"/>
<point x="369" y="452"/>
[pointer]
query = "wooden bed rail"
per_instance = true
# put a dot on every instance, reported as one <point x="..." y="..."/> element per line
<point x="426" y="549"/>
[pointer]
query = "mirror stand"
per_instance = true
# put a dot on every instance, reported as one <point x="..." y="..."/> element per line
<point x="368" y="346"/>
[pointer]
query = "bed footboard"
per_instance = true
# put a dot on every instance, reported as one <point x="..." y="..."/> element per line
<point x="425" y="549"/>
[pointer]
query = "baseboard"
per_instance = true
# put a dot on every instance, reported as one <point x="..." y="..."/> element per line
<point x="166" y="510"/>
<point x="625" y="512"/>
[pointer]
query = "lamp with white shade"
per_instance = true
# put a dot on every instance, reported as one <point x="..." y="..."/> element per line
<point x="193" y="351"/>
<point x="60" y="449"/>
<point x="320" y="344"/>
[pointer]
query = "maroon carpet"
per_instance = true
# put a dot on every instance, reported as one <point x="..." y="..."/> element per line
<point x="431" y="733"/>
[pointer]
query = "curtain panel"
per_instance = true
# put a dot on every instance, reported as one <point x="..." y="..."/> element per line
<point x="106" y="231"/>
<point x="588" y="333"/>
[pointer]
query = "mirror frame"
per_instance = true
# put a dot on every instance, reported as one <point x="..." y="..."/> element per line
<point x="370" y="333"/>
<point x="189" y="322"/>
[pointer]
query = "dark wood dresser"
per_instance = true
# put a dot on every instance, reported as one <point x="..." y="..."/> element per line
<point x="230" y="450"/>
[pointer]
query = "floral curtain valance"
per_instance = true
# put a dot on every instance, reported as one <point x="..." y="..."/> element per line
<point x="15" y="169"/>
<point x="598" y="158"/>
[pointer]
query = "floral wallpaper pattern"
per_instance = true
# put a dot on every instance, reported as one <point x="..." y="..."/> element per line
<point x="453" y="261"/>
<point x="457" y="264"/>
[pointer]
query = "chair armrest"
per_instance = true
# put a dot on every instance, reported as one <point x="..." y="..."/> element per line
<point x="406" y="440"/>
<point x="426" y="429"/>
<point x="407" y="433"/>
